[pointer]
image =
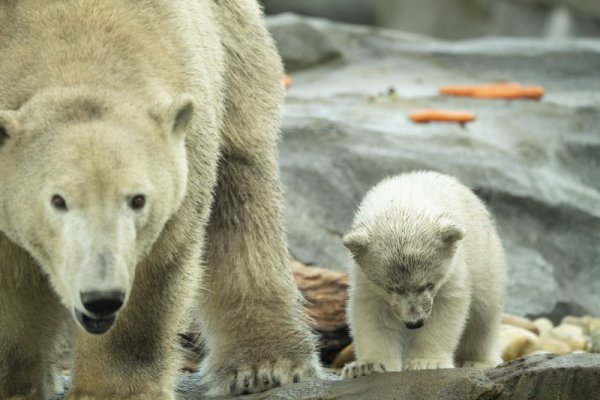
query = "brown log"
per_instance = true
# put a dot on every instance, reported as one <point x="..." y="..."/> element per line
<point x="326" y="295"/>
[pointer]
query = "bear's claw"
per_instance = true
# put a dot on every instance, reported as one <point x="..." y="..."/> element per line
<point x="258" y="378"/>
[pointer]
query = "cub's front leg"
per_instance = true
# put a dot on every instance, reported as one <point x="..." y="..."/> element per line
<point x="433" y="346"/>
<point x="377" y="337"/>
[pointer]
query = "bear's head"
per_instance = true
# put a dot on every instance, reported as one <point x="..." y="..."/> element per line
<point x="407" y="256"/>
<point x="87" y="183"/>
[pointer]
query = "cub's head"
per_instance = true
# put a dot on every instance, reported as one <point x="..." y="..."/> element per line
<point x="87" y="185"/>
<point x="406" y="256"/>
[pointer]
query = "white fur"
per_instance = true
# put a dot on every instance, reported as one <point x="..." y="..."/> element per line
<point x="425" y="249"/>
<point x="177" y="100"/>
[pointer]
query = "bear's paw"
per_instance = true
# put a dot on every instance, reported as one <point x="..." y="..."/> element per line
<point x="256" y="377"/>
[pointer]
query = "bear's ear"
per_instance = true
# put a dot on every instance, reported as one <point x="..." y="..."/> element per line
<point x="357" y="241"/>
<point x="8" y="125"/>
<point x="179" y="115"/>
<point x="450" y="232"/>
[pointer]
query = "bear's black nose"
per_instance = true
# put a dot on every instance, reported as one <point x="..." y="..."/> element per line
<point x="415" y="325"/>
<point x="102" y="304"/>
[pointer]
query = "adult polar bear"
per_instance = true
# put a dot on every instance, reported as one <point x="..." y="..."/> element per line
<point x="129" y="131"/>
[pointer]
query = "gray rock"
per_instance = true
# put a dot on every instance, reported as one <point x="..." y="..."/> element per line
<point x="301" y="45"/>
<point x="349" y="11"/>
<point x="534" y="163"/>
<point x="458" y="19"/>
<point x="540" y="377"/>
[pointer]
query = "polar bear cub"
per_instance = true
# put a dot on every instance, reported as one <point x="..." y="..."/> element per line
<point x="428" y="286"/>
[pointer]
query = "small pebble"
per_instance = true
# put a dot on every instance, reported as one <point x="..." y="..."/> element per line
<point x="516" y="342"/>
<point x="593" y="325"/>
<point x="570" y="334"/>
<point x="555" y="346"/>
<point x="582" y="322"/>
<point x="595" y="342"/>
<point x="544" y="325"/>
<point x="520" y="322"/>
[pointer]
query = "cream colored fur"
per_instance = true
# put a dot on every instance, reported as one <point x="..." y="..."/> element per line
<point x="178" y="100"/>
<point x="427" y="252"/>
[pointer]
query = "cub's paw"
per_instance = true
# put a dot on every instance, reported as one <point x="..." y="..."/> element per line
<point x="246" y="378"/>
<point x="429" y="363"/>
<point x="363" y="368"/>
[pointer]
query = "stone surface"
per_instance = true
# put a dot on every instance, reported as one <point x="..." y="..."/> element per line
<point x="534" y="163"/>
<point x="301" y="45"/>
<point x="456" y="19"/>
<point x="539" y="377"/>
<point x="573" y="377"/>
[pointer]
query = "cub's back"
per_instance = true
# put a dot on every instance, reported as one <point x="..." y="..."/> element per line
<point x="427" y="191"/>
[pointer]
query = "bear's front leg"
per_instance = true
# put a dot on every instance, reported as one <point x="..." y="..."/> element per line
<point x="252" y="314"/>
<point x="251" y="310"/>
<point x="137" y="358"/>
<point x="376" y="333"/>
<point x="30" y="320"/>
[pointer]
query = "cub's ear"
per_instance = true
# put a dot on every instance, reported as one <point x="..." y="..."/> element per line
<point x="8" y="125"/>
<point x="177" y="117"/>
<point x="450" y="232"/>
<point x="357" y="241"/>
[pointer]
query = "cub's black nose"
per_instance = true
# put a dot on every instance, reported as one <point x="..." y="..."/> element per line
<point x="415" y="325"/>
<point x="102" y="304"/>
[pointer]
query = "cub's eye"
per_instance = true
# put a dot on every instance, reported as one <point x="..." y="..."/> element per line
<point x="428" y="287"/>
<point x="137" y="202"/>
<point x="58" y="202"/>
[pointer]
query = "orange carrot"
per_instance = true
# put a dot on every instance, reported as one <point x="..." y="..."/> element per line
<point x="467" y="90"/>
<point x="287" y="81"/>
<point x="523" y="92"/>
<point x="501" y="90"/>
<point x="441" y="115"/>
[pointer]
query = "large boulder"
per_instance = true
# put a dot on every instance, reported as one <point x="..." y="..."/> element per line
<point x="541" y="377"/>
<point x="456" y="19"/>
<point x="535" y="163"/>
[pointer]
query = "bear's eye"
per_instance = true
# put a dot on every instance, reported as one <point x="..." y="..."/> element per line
<point x="137" y="202"/>
<point x="58" y="202"/>
<point x="3" y="135"/>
